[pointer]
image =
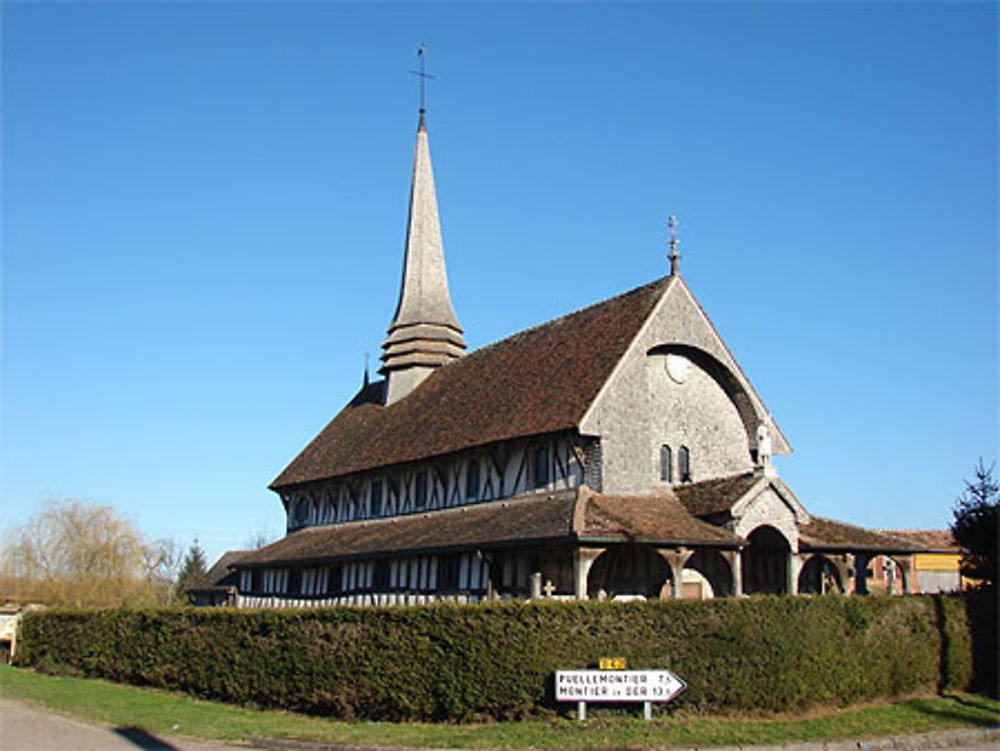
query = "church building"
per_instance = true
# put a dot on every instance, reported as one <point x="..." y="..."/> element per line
<point x="616" y="452"/>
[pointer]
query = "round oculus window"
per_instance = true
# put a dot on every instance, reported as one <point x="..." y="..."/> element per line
<point x="678" y="368"/>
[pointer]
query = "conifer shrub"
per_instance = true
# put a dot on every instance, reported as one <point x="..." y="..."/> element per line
<point x="462" y="663"/>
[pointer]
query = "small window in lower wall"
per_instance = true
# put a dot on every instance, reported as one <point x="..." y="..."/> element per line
<point x="447" y="574"/>
<point x="380" y="578"/>
<point x="334" y="581"/>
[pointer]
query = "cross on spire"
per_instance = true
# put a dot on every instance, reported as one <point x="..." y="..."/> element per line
<point x="674" y="256"/>
<point x="423" y="76"/>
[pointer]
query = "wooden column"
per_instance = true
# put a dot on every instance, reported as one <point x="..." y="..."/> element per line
<point x="583" y="559"/>
<point x="675" y="558"/>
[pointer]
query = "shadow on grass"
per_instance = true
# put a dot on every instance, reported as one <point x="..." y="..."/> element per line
<point x="980" y="714"/>
<point x="141" y="739"/>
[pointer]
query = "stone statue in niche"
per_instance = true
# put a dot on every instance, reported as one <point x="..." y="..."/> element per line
<point x="763" y="444"/>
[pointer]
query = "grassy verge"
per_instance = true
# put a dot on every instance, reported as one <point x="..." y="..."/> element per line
<point x="160" y="712"/>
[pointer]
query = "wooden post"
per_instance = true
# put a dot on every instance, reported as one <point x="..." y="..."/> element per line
<point x="647" y="710"/>
<point x="581" y="711"/>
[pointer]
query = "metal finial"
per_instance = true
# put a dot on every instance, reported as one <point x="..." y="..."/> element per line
<point x="674" y="256"/>
<point x="423" y="77"/>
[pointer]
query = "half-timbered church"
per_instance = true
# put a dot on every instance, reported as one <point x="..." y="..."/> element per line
<point x="616" y="452"/>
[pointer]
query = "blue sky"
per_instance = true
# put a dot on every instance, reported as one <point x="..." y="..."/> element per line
<point x="204" y="210"/>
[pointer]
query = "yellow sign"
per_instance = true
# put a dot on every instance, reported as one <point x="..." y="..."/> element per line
<point x="612" y="663"/>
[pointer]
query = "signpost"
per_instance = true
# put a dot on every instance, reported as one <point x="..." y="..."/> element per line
<point x="647" y="686"/>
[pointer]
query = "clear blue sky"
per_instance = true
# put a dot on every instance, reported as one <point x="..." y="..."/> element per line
<point x="204" y="210"/>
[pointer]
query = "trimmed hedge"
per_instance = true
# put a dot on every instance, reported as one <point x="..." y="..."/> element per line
<point x="449" y="662"/>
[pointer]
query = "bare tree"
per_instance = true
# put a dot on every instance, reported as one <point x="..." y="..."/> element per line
<point x="82" y="554"/>
<point x="257" y="540"/>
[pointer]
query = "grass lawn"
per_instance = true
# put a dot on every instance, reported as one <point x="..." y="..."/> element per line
<point x="160" y="712"/>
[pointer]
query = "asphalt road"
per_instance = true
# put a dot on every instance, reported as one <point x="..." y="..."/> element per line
<point x="24" y="727"/>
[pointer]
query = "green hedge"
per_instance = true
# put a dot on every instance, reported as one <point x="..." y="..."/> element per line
<point x="760" y="654"/>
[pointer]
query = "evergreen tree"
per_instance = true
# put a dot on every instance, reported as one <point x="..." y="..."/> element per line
<point x="975" y="526"/>
<point x="193" y="569"/>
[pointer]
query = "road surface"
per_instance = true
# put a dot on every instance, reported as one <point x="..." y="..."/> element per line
<point x="25" y="727"/>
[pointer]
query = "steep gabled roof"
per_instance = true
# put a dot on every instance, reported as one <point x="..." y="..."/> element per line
<point x="538" y="381"/>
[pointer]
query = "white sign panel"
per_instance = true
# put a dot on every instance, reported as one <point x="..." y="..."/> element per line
<point x="617" y="685"/>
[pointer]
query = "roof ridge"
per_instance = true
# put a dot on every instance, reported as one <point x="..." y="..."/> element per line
<point x="565" y="316"/>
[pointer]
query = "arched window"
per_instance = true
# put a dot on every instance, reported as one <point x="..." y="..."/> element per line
<point x="666" y="464"/>
<point x="472" y="481"/>
<point x="684" y="464"/>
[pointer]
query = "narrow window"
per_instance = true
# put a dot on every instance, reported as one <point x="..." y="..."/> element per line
<point x="420" y="494"/>
<point x="376" y="504"/>
<point x="302" y="512"/>
<point x="684" y="464"/>
<point x="472" y="481"/>
<point x="447" y="575"/>
<point x="666" y="464"/>
<point x="294" y="581"/>
<point x="380" y="579"/>
<point x="334" y="581"/>
<point x="541" y="466"/>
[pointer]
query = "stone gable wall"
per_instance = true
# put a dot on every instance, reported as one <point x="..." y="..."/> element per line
<point x="768" y="508"/>
<point x="642" y="408"/>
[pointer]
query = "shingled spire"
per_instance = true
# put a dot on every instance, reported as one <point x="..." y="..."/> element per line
<point x="424" y="333"/>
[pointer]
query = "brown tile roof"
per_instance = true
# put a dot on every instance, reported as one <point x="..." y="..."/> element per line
<point x="538" y="381"/>
<point x="711" y="497"/>
<point x="932" y="539"/>
<point x="649" y="518"/>
<point x="493" y="524"/>
<point x="570" y="515"/>
<point x="217" y="575"/>
<point x="827" y="534"/>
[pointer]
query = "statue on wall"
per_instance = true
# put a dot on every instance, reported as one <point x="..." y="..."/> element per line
<point x="763" y="444"/>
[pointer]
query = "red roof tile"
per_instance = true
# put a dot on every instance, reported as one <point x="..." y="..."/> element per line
<point x="570" y="515"/>
<point x="658" y="518"/>
<point x="710" y="497"/>
<point x="932" y="539"/>
<point x="536" y="518"/>
<point x="827" y="534"/>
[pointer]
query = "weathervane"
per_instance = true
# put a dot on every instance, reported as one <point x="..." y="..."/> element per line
<point x="422" y="76"/>
<point x="674" y="256"/>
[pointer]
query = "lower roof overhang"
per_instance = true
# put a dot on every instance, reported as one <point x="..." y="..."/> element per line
<point x="571" y="517"/>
